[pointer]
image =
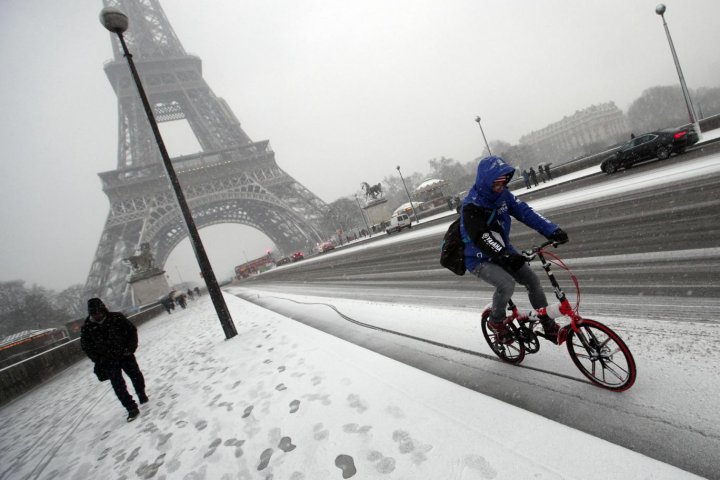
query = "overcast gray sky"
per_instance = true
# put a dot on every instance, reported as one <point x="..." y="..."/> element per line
<point x="344" y="91"/>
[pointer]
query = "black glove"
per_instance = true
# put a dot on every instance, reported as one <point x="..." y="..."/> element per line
<point x="559" y="236"/>
<point x="511" y="262"/>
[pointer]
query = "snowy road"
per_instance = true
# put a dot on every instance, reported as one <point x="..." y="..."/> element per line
<point x="645" y="250"/>
<point x="670" y="414"/>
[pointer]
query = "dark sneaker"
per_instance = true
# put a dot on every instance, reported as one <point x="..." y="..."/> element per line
<point x="551" y="331"/>
<point x="144" y="399"/>
<point x="133" y="414"/>
<point x="501" y="331"/>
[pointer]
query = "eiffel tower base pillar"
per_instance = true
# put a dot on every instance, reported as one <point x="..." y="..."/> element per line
<point x="149" y="288"/>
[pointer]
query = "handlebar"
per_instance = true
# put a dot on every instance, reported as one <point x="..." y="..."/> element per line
<point x="531" y="253"/>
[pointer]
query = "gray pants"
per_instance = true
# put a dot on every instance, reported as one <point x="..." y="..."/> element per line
<point x="504" y="284"/>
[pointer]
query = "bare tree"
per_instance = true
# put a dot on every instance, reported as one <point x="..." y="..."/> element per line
<point x="33" y="308"/>
<point x="345" y="215"/>
<point x="657" y="108"/>
<point x="72" y="301"/>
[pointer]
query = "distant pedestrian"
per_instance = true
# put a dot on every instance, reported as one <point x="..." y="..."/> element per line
<point x="197" y="292"/>
<point x="632" y="136"/>
<point x="547" y="171"/>
<point x="190" y="294"/>
<point x="181" y="300"/>
<point x="168" y="304"/>
<point x="541" y="171"/>
<point x="526" y="178"/>
<point x="109" y="339"/>
<point x="533" y="176"/>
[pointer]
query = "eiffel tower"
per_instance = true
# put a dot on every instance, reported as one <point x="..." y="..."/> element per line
<point x="233" y="179"/>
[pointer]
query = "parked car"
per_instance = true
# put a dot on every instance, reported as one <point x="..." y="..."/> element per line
<point x="283" y="261"/>
<point x="660" y="144"/>
<point x="325" y="246"/>
<point x="398" y="222"/>
<point x="297" y="256"/>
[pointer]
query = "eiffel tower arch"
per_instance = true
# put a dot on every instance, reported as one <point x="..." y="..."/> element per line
<point x="233" y="180"/>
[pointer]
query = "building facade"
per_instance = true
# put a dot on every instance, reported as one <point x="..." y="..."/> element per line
<point x="598" y="125"/>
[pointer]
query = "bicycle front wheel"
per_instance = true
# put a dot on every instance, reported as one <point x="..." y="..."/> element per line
<point x="602" y="356"/>
<point x="513" y="352"/>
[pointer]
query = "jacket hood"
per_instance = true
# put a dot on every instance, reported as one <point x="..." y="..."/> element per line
<point x="489" y="169"/>
<point x="96" y="305"/>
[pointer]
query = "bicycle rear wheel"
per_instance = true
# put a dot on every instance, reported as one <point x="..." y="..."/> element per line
<point x="602" y="356"/>
<point x="511" y="353"/>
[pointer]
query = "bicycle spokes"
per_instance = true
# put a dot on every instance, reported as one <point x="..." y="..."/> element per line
<point x="602" y="356"/>
<point x="513" y="352"/>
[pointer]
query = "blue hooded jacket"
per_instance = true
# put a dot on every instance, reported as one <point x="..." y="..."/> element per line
<point x="504" y="204"/>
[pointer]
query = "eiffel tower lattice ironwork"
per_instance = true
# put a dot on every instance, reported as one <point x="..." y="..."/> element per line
<point x="233" y="180"/>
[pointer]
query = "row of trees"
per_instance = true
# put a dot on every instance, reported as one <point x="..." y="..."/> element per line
<point x="664" y="106"/>
<point x="32" y="308"/>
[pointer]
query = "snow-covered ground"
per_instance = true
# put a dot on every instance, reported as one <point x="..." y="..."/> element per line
<point x="284" y="401"/>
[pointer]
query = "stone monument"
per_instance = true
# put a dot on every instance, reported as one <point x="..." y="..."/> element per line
<point x="376" y="207"/>
<point x="147" y="280"/>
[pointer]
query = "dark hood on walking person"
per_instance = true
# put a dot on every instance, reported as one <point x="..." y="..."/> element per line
<point x="489" y="170"/>
<point x="97" y="311"/>
<point x="95" y="305"/>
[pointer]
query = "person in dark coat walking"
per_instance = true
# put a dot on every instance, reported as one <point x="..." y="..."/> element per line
<point x="168" y="304"/>
<point x="109" y="339"/>
<point x="547" y="171"/>
<point x="533" y="176"/>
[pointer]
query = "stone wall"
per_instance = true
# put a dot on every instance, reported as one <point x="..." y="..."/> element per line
<point x="20" y="377"/>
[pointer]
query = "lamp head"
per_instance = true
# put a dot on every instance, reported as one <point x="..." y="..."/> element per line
<point x="660" y="9"/>
<point x="398" y="168"/>
<point x="477" y="119"/>
<point x="114" y="20"/>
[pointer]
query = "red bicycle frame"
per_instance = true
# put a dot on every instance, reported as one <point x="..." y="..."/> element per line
<point x="565" y="307"/>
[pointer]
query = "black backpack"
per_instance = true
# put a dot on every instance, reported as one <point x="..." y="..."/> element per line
<point x="452" y="249"/>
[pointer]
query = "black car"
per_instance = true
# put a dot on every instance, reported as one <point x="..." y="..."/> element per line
<point x="283" y="261"/>
<point x="660" y="144"/>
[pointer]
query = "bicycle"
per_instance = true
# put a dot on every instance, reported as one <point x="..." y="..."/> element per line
<point x="597" y="351"/>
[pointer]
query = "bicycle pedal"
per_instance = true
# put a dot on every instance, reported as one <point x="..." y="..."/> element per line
<point x="551" y="339"/>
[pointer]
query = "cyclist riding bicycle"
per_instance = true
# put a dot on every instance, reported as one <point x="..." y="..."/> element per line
<point x="485" y="227"/>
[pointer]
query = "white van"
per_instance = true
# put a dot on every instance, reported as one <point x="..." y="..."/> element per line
<point x="398" y="222"/>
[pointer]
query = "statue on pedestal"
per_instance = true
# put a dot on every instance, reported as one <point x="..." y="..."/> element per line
<point x="142" y="265"/>
<point x="146" y="279"/>
<point x="372" y="192"/>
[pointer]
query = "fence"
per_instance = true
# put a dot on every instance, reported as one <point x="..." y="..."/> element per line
<point x="21" y="377"/>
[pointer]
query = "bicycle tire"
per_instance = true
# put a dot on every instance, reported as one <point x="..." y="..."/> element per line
<point x="529" y="339"/>
<point x="512" y="353"/>
<point x="617" y="370"/>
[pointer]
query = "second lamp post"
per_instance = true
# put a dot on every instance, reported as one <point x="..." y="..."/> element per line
<point x="408" y="195"/>
<point x="477" y="119"/>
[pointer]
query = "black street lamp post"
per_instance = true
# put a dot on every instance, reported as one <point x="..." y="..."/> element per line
<point x="477" y="119"/>
<point x="408" y="195"/>
<point x="660" y="10"/>
<point x="117" y="22"/>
